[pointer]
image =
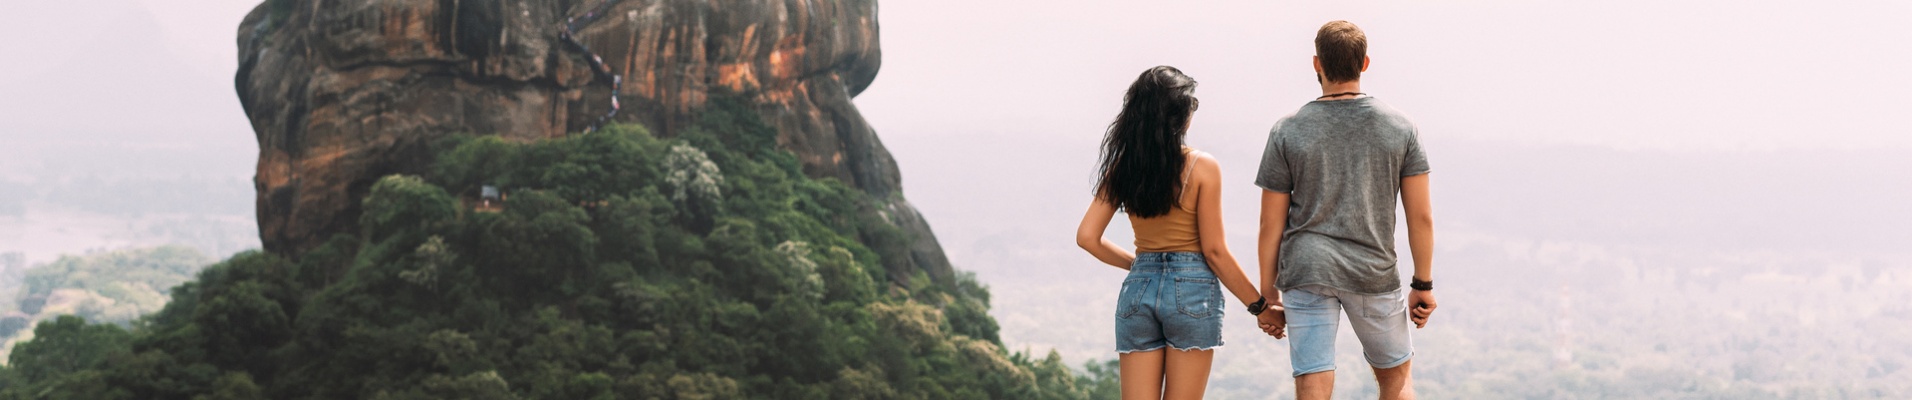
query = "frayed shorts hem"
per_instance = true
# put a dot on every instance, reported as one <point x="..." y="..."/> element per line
<point x="1195" y="348"/>
<point x="1171" y="347"/>
<point x="1139" y="351"/>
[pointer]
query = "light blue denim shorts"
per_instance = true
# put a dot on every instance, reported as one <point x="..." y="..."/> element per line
<point x="1169" y="300"/>
<point x="1379" y="320"/>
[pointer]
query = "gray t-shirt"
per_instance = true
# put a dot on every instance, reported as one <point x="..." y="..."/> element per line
<point x="1341" y="162"/>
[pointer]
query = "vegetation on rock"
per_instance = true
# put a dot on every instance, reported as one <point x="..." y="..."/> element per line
<point x="621" y="266"/>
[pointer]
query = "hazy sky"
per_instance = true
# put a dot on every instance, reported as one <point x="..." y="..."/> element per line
<point x="196" y="39"/>
<point x="999" y="96"/>
<point x="117" y="87"/>
<point x="1691" y="76"/>
<point x="1770" y="122"/>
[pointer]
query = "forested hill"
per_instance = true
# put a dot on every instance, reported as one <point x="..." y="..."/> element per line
<point x="341" y="94"/>
<point x="613" y="265"/>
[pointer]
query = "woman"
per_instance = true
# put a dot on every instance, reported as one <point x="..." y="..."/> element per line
<point x="1172" y="195"/>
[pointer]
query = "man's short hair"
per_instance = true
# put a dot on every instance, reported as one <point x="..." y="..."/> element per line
<point x="1343" y="48"/>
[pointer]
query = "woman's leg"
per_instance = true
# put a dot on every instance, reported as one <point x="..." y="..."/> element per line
<point x="1188" y="373"/>
<point x="1142" y="374"/>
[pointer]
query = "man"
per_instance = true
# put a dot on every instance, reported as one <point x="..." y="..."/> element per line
<point x="1330" y="174"/>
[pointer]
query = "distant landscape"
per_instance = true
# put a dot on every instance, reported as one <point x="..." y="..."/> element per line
<point x="51" y="217"/>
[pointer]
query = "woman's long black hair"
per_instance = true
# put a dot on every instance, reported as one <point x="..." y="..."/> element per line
<point x="1142" y="162"/>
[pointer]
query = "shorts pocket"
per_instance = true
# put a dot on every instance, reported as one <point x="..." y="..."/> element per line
<point x="1303" y="299"/>
<point x="1383" y="306"/>
<point x="1130" y="301"/>
<point x="1197" y="297"/>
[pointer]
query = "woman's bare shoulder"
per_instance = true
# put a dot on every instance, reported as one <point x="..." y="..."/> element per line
<point x="1205" y="167"/>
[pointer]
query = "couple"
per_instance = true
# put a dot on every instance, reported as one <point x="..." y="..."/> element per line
<point x="1329" y="175"/>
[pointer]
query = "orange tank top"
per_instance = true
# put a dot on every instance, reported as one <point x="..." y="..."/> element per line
<point x="1174" y="231"/>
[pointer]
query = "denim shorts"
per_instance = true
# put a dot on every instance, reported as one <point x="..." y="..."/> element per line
<point x="1169" y="300"/>
<point x="1314" y="314"/>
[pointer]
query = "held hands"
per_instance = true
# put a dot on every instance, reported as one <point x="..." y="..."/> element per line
<point x="1420" y="305"/>
<point x="1274" y="321"/>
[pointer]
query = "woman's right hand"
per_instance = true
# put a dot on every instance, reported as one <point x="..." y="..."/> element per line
<point x="1089" y="236"/>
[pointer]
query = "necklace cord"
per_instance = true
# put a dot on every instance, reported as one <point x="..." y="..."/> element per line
<point x="1341" y="94"/>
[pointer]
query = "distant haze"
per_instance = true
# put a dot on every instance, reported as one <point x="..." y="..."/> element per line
<point x="119" y="127"/>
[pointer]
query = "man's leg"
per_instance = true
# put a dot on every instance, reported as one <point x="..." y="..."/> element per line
<point x="1396" y="383"/>
<point x="1314" y="314"/>
<point x="1141" y="374"/>
<point x="1380" y="322"/>
<point x="1315" y="386"/>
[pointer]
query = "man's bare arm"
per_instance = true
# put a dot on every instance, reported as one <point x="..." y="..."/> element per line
<point x="1416" y="203"/>
<point x="1274" y="220"/>
<point x="1420" y="224"/>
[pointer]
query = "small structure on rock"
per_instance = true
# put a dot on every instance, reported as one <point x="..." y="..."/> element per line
<point x="490" y="199"/>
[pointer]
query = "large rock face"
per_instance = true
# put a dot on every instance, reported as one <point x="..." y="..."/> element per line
<point x="342" y="92"/>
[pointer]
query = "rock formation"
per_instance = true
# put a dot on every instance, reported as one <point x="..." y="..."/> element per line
<point x="342" y="92"/>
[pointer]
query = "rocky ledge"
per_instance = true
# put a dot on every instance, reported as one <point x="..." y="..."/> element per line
<point x="342" y="92"/>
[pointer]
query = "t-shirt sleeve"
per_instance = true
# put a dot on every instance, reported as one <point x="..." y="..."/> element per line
<point x="1415" y="162"/>
<point x="1274" y="174"/>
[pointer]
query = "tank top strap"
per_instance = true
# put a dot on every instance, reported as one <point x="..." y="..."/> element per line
<point x="1188" y="172"/>
<point x="1188" y="164"/>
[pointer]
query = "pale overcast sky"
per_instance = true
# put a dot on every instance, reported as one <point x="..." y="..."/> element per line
<point x="1684" y="75"/>
<point x="1724" y="124"/>
<point x="1010" y="95"/>
<point x="1692" y="76"/>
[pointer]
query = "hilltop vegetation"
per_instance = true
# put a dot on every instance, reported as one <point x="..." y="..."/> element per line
<point x="621" y="266"/>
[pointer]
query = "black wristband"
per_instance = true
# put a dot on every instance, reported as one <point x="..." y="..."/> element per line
<point x="1258" y="306"/>
<point x="1421" y="285"/>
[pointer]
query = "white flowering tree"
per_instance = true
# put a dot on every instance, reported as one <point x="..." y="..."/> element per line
<point x="695" y="184"/>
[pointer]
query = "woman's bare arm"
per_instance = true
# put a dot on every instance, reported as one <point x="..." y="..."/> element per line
<point x="1089" y="236"/>
<point x="1208" y="224"/>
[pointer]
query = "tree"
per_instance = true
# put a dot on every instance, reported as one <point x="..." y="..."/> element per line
<point x="63" y="346"/>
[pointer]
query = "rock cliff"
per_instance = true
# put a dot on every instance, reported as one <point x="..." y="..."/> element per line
<point x="343" y="92"/>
